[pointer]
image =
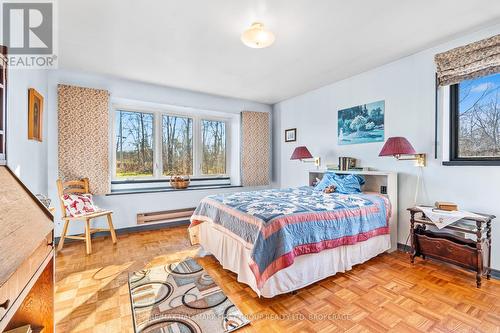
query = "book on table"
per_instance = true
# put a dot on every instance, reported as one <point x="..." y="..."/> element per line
<point x="448" y="206"/>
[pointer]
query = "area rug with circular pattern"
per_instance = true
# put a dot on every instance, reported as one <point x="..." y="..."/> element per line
<point x="183" y="298"/>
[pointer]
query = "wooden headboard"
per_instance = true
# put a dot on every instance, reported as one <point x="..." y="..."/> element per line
<point x="382" y="182"/>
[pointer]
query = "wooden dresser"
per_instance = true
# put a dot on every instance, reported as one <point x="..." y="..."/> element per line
<point x="26" y="257"/>
<point x="3" y="104"/>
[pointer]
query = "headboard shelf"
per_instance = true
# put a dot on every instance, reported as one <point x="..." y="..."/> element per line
<point x="382" y="182"/>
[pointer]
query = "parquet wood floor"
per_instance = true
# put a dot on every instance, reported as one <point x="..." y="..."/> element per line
<point x="385" y="294"/>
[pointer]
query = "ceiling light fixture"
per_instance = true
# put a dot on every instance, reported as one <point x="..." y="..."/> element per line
<point x="257" y="36"/>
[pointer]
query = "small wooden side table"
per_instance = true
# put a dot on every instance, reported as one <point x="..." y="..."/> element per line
<point x="451" y="248"/>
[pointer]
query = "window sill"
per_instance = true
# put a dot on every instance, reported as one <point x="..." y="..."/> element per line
<point x="168" y="189"/>
<point x="164" y="180"/>
<point x="472" y="163"/>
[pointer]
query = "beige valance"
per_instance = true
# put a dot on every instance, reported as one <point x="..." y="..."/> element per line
<point x="255" y="148"/>
<point x="83" y="123"/>
<point x="468" y="62"/>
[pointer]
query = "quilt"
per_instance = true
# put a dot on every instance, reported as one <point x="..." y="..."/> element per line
<point x="278" y="225"/>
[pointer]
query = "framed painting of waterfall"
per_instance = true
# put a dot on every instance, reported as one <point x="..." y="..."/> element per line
<point x="361" y="124"/>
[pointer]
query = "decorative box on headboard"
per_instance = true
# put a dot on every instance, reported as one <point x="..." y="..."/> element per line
<point x="382" y="182"/>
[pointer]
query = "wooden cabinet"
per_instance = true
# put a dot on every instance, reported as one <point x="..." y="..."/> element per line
<point x="26" y="257"/>
<point x="472" y="254"/>
<point x="3" y="104"/>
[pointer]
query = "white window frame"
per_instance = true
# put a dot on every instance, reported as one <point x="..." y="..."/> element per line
<point x="199" y="152"/>
<point x="158" y="147"/>
<point x="197" y="117"/>
<point x="113" y="148"/>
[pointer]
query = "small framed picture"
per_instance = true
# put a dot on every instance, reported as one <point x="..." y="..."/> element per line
<point x="35" y="115"/>
<point x="291" y="135"/>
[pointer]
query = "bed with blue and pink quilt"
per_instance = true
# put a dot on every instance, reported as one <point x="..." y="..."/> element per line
<point x="280" y="240"/>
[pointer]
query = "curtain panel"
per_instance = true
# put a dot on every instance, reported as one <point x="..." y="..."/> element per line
<point x="83" y="125"/>
<point x="255" y="148"/>
<point x="468" y="62"/>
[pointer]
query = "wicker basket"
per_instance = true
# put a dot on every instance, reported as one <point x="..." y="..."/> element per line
<point x="179" y="182"/>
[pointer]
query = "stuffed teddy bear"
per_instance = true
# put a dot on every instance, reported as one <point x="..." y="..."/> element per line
<point x="330" y="189"/>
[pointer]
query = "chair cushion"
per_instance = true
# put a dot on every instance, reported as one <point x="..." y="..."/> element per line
<point x="78" y="204"/>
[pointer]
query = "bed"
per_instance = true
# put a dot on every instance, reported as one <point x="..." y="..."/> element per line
<point x="281" y="240"/>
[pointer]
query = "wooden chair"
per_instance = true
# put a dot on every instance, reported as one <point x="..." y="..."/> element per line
<point x="81" y="187"/>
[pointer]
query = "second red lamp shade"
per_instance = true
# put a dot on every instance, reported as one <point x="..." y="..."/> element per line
<point x="398" y="147"/>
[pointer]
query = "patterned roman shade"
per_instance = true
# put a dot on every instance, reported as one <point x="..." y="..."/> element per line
<point x="83" y="120"/>
<point x="255" y="148"/>
<point x="468" y="62"/>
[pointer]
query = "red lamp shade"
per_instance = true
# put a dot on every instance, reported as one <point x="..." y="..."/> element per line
<point x="301" y="153"/>
<point x="397" y="145"/>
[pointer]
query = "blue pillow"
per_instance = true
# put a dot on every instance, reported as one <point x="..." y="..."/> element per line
<point x="361" y="179"/>
<point x="345" y="184"/>
<point x="349" y="184"/>
<point x="327" y="180"/>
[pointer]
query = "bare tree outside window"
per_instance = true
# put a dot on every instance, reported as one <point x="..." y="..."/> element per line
<point x="180" y="139"/>
<point x="134" y="144"/>
<point x="177" y="145"/>
<point x="479" y="118"/>
<point x="214" y="147"/>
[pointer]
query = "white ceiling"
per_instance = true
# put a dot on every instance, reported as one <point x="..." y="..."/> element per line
<point x="195" y="44"/>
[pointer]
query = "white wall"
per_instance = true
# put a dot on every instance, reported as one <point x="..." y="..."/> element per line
<point x="407" y="86"/>
<point x="126" y="207"/>
<point x="27" y="158"/>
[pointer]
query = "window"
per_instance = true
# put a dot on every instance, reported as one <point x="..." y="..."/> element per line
<point x="475" y="121"/>
<point x="177" y="145"/>
<point x="154" y="145"/>
<point x="134" y="144"/>
<point x="214" y="147"/>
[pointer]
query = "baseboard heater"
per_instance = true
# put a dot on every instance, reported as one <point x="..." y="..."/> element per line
<point x="165" y="216"/>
